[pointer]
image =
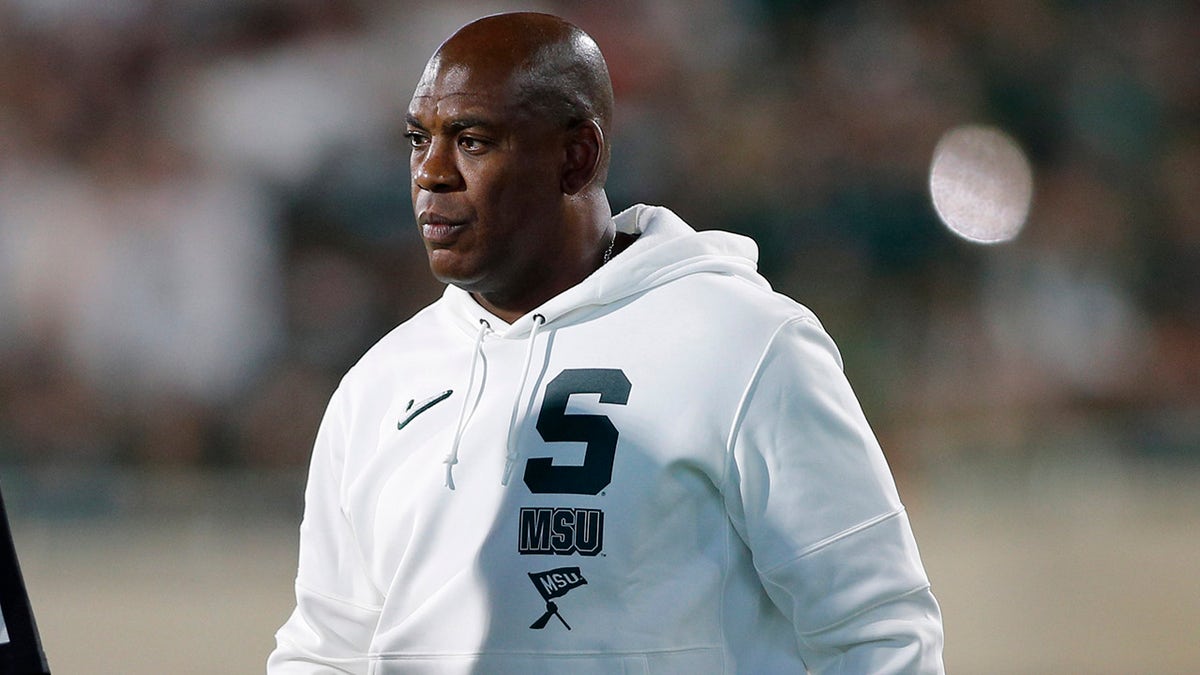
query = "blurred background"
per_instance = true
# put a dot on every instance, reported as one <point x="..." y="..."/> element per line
<point x="204" y="220"/>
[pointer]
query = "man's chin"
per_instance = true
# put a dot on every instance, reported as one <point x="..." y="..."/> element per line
<point x="447" y="268"/>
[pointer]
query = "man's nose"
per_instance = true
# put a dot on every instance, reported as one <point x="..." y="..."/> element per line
<point x="436" y="170"/>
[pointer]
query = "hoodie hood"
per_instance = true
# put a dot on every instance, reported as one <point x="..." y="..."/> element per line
<point x="666" y="249"/>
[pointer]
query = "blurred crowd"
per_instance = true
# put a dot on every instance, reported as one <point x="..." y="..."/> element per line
<point x="205" y="218"/>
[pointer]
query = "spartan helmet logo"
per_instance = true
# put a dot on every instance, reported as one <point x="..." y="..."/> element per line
<point x="553" y="584"/>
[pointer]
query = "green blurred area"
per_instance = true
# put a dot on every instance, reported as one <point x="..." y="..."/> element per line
<point x="204" y="216"/>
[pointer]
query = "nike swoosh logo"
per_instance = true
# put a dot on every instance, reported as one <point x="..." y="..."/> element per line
<point x="422" y="407"/>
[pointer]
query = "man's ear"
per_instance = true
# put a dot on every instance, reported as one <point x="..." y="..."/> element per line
<point x="581" y="159"/>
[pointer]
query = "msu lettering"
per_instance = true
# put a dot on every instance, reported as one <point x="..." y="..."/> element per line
<point x="556" y="583"/>
<point x="546" y="531"/>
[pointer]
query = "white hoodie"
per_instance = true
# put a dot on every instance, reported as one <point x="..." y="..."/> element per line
<point x="660" y="470"/>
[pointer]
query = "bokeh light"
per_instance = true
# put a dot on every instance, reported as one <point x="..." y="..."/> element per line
<point x="981" y="184"/>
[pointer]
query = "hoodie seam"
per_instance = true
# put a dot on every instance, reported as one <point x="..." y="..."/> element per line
<point x="747" y="396"/>
<point x="834" y="538"/>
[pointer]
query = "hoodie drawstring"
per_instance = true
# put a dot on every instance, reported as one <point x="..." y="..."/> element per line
<point x="463" y="417"/>
<point x="512" y="453"/>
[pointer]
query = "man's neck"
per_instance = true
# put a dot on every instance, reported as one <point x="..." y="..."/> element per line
<point x="592" y="209"/>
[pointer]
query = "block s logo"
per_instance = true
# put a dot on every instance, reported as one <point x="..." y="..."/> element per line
<point x="542" y="475"/>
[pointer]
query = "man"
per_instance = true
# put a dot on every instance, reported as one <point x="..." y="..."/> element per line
<point x="609" y="447"/>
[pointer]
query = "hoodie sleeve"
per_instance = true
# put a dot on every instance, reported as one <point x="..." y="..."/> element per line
<point x="337" y="606"/>
<point x="811" y="494"/>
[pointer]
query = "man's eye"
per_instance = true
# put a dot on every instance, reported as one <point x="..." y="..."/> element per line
<point x="470" y="144"/>
<point x="416" y="139"/>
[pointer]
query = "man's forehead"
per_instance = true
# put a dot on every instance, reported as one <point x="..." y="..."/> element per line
<point x="458" y="103"/>
<point x="455" y="85"/>
<point x="467" y="73"/>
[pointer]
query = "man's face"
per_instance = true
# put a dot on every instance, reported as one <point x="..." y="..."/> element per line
<point x="486" y="180"/>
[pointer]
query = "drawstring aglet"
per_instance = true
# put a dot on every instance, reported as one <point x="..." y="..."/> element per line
<point x="509" y="462"/>
<point x="450" y="461"/>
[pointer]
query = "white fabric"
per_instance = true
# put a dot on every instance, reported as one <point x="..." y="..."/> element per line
<point x="750" y="524"/>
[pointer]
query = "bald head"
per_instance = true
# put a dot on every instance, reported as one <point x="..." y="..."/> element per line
<point x="553" y="69"/>
<point x="508" y="128"/>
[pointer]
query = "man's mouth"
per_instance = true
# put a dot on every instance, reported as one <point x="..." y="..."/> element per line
<point x="438" y="229"/>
